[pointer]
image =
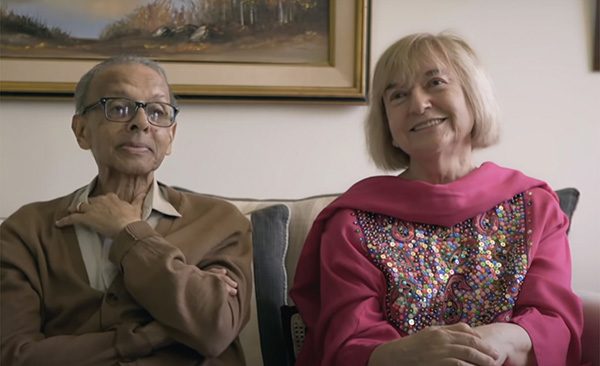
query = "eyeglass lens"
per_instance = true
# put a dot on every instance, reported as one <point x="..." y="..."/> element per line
<point x="123" y="110"/>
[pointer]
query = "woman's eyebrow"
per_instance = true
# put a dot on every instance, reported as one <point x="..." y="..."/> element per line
<point x="391" y="86"/>
<point x="433" y="72"/>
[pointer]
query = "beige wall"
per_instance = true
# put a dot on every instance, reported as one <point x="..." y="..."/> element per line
<point x="537" y="51"/>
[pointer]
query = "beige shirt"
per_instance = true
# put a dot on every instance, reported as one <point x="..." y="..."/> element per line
<point x="95" y="248"/>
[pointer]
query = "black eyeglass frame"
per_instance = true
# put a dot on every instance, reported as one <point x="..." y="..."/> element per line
<point x="138" y="104"/>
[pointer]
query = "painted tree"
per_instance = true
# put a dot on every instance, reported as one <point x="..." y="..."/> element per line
<point x="227" y="15"/>
<point x="143" y="20"/>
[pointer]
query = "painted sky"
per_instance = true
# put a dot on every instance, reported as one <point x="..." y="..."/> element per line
<point x="79" y="18"/>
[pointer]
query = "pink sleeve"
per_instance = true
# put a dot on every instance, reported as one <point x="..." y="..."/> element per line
<point x="351" y="321"/>
<point x="547" y="308"/>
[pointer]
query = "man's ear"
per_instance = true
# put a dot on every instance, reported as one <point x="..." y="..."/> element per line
<point x="172" y="135"/>
<point x="79" y="128"/>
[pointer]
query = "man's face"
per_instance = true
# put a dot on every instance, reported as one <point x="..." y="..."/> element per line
<point x="131" y="148"/>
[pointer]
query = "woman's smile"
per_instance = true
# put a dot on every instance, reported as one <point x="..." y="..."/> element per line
<point x="427" y="124"/>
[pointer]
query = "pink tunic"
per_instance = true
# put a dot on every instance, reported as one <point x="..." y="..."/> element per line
<point x="392" y="256"/>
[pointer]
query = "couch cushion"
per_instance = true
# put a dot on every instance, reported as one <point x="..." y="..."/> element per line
<point x="303" y="212"/>
<point x="262" y="339"/>
<point x="270" y="243"/>
<point x="568" y="198"/>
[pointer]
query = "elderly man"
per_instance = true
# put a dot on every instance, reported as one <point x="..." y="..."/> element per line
<point x="125" y="269"/>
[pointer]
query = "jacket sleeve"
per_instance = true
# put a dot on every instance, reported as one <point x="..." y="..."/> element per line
<point x="23" y="341"/>
<point x="171" y="282"/>
<point x="351" y="321"/>
<point x="547" y="308"/>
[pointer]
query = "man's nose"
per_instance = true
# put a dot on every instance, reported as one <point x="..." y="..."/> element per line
<point x="139" y="120"/>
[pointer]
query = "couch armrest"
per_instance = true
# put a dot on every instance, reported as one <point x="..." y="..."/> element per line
<point x="590" y="340"/>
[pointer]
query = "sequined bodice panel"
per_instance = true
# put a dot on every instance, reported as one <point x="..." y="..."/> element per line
<point x="471" y="272"/>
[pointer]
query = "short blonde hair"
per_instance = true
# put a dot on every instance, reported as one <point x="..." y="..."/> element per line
<point x="401" y="61"/>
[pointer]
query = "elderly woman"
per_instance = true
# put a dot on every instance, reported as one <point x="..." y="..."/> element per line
<point x="448" y="263"/>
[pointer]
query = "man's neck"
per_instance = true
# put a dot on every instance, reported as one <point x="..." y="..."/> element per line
<point x="126" y="187"/>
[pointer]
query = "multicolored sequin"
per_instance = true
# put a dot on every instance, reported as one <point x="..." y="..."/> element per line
<point x="471" y="272"/>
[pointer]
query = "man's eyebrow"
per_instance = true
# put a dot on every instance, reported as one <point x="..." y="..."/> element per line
<point x="160" y="96"/>
<point x="122" y="93"/>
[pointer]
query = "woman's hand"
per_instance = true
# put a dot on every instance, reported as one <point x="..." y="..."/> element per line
<point x="106" y="214"/>
<point x="456" y="344"/>
<point x="511" y="341"/>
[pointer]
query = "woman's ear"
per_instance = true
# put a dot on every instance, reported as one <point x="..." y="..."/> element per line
<point x="79" y="128"/>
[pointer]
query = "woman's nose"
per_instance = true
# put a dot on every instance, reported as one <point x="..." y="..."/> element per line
<point x="419" y="101"/>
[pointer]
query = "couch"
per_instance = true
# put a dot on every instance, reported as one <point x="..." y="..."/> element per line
<point x="275" y="331"/>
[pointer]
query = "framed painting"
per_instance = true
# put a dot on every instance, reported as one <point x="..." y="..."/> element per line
<point x="308" y="50"/>
<point x="596" y="62"/>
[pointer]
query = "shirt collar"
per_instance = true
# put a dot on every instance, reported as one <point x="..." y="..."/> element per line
<point x="159" y="202"/>
<point x="155" y="200"/>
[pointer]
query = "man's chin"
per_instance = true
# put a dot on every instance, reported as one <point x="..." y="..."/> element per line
<point x="133" y="168"/>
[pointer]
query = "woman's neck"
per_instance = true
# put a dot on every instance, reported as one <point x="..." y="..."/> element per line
<point x="440" y="169"/>
<point x="126" y="187"/>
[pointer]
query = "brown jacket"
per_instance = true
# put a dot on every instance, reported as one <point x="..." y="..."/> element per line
<point x="163" y="308"/>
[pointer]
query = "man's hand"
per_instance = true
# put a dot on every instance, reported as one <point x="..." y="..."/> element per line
<point x="106" y="214"/>
<point x="156" y="334"/>
<point x="229" y="282"/>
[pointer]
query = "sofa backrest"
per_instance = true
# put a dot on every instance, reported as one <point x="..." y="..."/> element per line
<point x="279" y="230"/>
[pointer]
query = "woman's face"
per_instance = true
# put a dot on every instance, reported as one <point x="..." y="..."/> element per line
<point x="430" y="115"/>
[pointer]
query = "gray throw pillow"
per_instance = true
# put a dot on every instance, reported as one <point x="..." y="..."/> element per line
<point x="568" y="198"/>
<point x="270" y="242"/>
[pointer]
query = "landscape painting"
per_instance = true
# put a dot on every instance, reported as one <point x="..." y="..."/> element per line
<point x="270" y="31"/>
<point x="596" y="60"/>
<point x="210" y="49"/>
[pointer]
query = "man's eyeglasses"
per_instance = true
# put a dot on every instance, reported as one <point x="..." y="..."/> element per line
<point x="124" y="110"/>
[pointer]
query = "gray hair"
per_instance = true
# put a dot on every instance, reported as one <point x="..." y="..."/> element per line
<point x="83" y="86"/>
<point x="402" y="60"/>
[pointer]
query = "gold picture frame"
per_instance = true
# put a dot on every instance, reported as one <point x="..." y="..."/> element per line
<point x="596" y="47"/>
<point x="343" y="78"/>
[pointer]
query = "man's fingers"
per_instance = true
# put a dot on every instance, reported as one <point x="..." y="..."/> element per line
<point x="217" y="270"/>
<point x="75" y="208"/>
<point x="227" y="278"/>
<point x="66" y="221"/>
<point x="229" y="282"/>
